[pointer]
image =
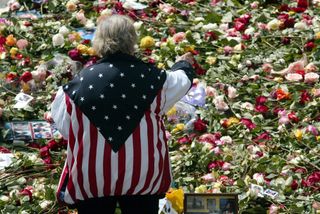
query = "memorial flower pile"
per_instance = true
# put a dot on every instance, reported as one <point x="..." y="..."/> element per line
<point x="250" y="119"/>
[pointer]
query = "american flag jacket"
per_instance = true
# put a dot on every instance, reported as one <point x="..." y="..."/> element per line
<point x="112" y="116"/>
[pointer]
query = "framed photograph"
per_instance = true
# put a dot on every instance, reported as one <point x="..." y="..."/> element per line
<point x="21" y="130"/>
<point x="210" y="203"/>
<point x="41" y="130"/>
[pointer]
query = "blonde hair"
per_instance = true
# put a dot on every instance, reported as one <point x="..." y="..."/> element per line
<point x="114" y="33"/>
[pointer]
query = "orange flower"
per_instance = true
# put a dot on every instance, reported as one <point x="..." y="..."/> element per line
<point x="10" y="40"/>
<point x="281" y="94"/>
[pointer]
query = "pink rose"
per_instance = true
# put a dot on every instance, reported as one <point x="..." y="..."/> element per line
<point x="81" y="18"/>
<point x="254" y="5"/>
<point x="293" y="77"/>
<point x="232" y="92"/>
<point x="167" y="8"/>
<point x="227" y="50"/>
<point x="22" y="43"/>
<point x="14" y="5"/>
<point x="266" y="67"/>
<point x="273" y="209"/>
<point x="311" y="77"/>
<point x="226" y="166"/>
<point x="220" y="104"/>
<point x="217" y="150"/>
<point x="296" y="66"/>
<point x="178" y="37"/>
<point x="316" y="92"/>
<point x="211" y="92"/>
<point x="208" y="177"/>
<point x="262" y="26"/>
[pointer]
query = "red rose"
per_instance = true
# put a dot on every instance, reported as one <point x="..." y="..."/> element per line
<point x="261" y="100"/>
<point x="301" y="72"/>
<point x="200" y="126"/>
<point x="210" y="138"/>
<point x="246" y="36"/>
<point x="26" y="76"/>
<point x="261" y="108"/>
<point x="304" y="97"/>
<point x="2" y="40"/>
<point x="239" y="26"/>
<point x="11" y="76"/>
<point x="27" y="192"/>
<point x="292" y="116"/>
<point x="294" y="185"/>
<point x="262" y="138"/>
<point x="215" y="164"/>
<point x="44" y="151"/>
<point x="302" y="3"/>
<point x="248" y="123"/>
<point x="74" y="54"/>
<point x="52" y="144"/>
<point x="211" y="36"/>
<point x="309" y="46"/>
<point x="4" y="150"/>
<point x="34" y="145"/>
<point x="286" y="40"/>
<point x="284" y="7"/>
<point x="184" y="140"/>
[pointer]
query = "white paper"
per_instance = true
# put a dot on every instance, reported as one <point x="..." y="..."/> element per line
<point x="5" y="160"/>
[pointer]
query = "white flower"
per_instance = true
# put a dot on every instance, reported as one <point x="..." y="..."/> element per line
<point x="224" y="26"/>
<point x="292" y="77"/>
<point x="90" y="24"/>
<point x="44" y="204"/>
<point x="220" y="104"/>
<point x="137" y="25"/>
<point x="22" y="180"/>
<point x="64" y="30"/>
<point x="273" y="24"/>
<point x="4" y="198"/>
<point x="24" y="212"/>
<point x="311" y="77"/>
<point x="258" y="177"/>
<point x="249" y="31"/>
<point x="232" y="92"/>
<point x="247" y="106"/>
<point x="106" y="12"/>
<point x="199" y="19"/>
<point x="209" y="27"/>
<point x="226" y="139"/>
<point x="300" y="26"/>
<point x="57" y="40"/>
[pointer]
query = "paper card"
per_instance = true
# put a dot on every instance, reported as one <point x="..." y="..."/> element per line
<point x="271" y="193"/>
<point x="257" y="189"/>
<point x="22" y="100"/>
<point x="41" y="130"/>
<point x="5" y="160"/>
<point x="21" y="130"/>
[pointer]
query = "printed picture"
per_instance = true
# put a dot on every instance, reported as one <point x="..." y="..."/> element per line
<point x="227" y="206"/>
<point x="7" y="132"/>
<point x="210" y="203"/>
<point x="41" y="130"/>
<point x="21" y="131"/>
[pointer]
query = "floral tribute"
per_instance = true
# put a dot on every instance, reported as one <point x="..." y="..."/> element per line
<point x="251" y="118"/>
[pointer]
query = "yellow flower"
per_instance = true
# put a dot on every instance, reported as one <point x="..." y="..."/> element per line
<point x="211" y="60"/>
<point x="161" y="65"/>
<point x="180" y="126"/>
<point x="201" y="189"/>
<point x="82" y="48"/>
<point x="291" y="12"/>
<point x="232" y="120"/>
<point x="318" y="138"/>
<point x="189" y="48"/>
<point x="147" y="42"/>
<point x="317" y="36"/>
<point x="13" y="51"/>
<point x="298" y="134"/>
<point x="71" y="6"/>
<point x="172" y="111"/>
<point x="25" y="87"/>
<point x="278" y="79"/>
<point x="176" y="196"/>
<point x="91" y="51"/>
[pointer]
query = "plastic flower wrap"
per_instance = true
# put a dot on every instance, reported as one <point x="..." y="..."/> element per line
<point x="182" y="115"/>
<point x="176" y="196"/>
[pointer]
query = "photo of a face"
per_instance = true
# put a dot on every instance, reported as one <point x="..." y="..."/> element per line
<point x="21" y="131"/>
<point x="41" y="130"/>
<point x="227" y="206"/>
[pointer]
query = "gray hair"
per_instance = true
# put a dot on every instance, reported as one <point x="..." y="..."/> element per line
<point x="115" y="33"/>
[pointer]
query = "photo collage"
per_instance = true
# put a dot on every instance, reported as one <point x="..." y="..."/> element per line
<point x="211" y="204"/>
<point x="29" y="130"/>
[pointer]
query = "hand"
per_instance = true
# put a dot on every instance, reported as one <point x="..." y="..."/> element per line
<point x="187" y="57"/>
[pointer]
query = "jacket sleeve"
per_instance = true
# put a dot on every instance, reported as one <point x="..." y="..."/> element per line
<point x="178" y="83"/>
<point x="60" y="114"/>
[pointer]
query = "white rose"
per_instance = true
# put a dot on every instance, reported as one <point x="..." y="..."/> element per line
<point x="22" y="180"/>
<point x="247" y="106"/>
<point x="300" y="26"/>
<point x="90" y="24"/>
<point x="44" y="204"/>
<point x="238" y="47"/>
<point x="273" y="24"/>
<point x="199" y="19"/>
<point x="293" y="77"/>
<point x="137" y="25"/>
<point x="232" y="92"/>
<point x="209" y="27"/>
<point x="64" y="30"/>
<point x="258" y="177"/>
<point x="226" y="139"/>
<point x="311" y="77"/>
<point x="57" y="40"/>
<point x="224" y="26"/>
